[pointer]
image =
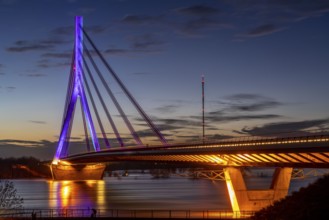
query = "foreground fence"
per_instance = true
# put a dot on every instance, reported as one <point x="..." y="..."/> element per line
<point x="117" y="213"/>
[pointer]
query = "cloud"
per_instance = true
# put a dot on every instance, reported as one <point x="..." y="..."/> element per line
<point x="178" y="123"/>
<point x="196" y="27"/>
<point x="21" y="142"/>
<point x="145" y="133"/>
<point x="141" y="19"/>
<point x="95" y="29"/>
<point x="249" y="102"/>
<point x="58" y="55"/>
<point x="298" y="10"/>
<point x="1" y="73"/>
<point x="42" y="149"/>
<point x="190" y="137"/>
<point x="35" y="75"/>
<point x="23" y="46"/>
<point x="69" y="30"/>
<point x="76" y="138"/>
<point x="280" y="10"/>
<point x="45" y="63"/>
<point x="64" y="30"/>
<point x="218" y="137"/>
<point x="159" y="124"/>
<point x="10" y="88"/>
<point x="274" y="129"/>
<point x="145" y="42"/>
<point x="198" y="10"/>
<point x="263" y="30"/>
<point x="130" y="52"/>
<point x="150" y="135"/>
<point x="182" y="123"/>
<point x="259" y="18"/>
<point x="244" y="96"/>
<point x="37" y="122"/>
<point x="139" y="44"/>
<point x="169" y="125"/>
<point x="54" y="41"/>
<point x="115" y="51"/>
<point x="166" y="109"/>
<point x="243" y="106"/>
<point x="190" y="27"/>
<point x="219" y="117"/>
<point x="142" y="73"/>
<point x="275" y="15"/>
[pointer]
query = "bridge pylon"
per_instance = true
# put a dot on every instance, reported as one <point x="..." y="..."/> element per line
<point x="63" y="170"/>
<point x="243" y="199"/>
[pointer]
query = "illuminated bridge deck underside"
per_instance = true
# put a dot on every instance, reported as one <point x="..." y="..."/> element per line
<point x="313" y="153"/>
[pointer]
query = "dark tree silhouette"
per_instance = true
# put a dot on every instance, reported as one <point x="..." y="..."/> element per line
<point x="8" y="196"/>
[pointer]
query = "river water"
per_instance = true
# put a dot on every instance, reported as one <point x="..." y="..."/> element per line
<point x="135" y="192"/>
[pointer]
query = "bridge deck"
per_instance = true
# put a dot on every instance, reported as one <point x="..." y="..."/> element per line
<point x="311" y="151"/>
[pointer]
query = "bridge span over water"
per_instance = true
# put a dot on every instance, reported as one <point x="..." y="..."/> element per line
<point x="304" y="152"/>
<point x="282" y="153"/>
<point x="231" y="155"/>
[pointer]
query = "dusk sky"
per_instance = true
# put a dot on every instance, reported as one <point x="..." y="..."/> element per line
<point x="266" y="66"/>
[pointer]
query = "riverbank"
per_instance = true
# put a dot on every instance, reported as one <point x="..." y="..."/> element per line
<point x="310" y="202"/>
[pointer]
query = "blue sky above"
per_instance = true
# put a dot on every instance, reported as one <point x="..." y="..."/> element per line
<point x="265" y="65"/>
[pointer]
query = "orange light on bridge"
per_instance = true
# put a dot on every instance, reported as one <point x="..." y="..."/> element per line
<point x="65" y="163"/>
<point x="231" y="193"/>
<point x="217" y="159"/>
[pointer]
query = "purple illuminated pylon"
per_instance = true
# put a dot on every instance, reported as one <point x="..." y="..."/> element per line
<point x="77" y="91"/>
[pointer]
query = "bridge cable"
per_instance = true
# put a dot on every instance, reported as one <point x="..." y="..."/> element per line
<point x="94" y="107"/>
<point x="85" y="128"/>
<point x="128" y="94"/>
<point x="68" y="134"/>
<point x="65" y="148"/>
<point x="108" y="115"/>
<point x="115" y="101"/>
<point x="69" y="87"/>
<point x="68" y="97"/>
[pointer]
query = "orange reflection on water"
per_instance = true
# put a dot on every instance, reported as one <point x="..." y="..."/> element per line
<point x="65" y="192"/>
<point x="99" y="185"/>
<point x="76" y="194"/>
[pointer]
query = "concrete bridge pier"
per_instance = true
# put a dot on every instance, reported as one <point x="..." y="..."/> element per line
<point x="243" y="199"/>
<point x="66" y="171"/>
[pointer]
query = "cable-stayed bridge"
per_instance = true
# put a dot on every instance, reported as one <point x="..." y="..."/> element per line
<point x="88" y="83"/>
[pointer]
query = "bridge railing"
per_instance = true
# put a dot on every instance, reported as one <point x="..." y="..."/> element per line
<point x="296" y="134"/>
<point x="288" y="138"/>
<point x="121" y="213"/>
<point x="314" y="136"/>
<point x="241" y="141"/>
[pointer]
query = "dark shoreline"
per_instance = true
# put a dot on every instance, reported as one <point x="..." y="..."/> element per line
<point x="311" y="202"/>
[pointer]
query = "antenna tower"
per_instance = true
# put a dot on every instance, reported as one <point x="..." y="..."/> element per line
<point x="203" y="124"/>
